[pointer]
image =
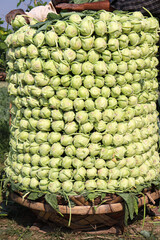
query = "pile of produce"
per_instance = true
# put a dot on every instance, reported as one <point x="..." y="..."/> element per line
<point x="83" y="91"/>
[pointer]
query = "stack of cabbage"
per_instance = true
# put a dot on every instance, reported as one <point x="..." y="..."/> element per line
<point x="83" y="95"/>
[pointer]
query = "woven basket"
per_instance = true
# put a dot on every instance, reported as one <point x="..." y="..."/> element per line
<point x="85" y="217"/>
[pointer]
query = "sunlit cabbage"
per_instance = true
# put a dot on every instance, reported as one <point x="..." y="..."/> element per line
<point x="83" y="92"/>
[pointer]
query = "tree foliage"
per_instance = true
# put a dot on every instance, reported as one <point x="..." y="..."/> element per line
<point x="3" y="48"/>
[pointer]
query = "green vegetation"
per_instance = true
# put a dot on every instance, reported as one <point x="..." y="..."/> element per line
<point x="4" y="97"/>
<point x="117" y="105"/>
<point x="4" y="121"/>
<point x="3" y="47"/>
<point x="16" y="226"/>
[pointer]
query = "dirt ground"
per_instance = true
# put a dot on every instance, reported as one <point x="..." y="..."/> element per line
<point x="19" y="223"/>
